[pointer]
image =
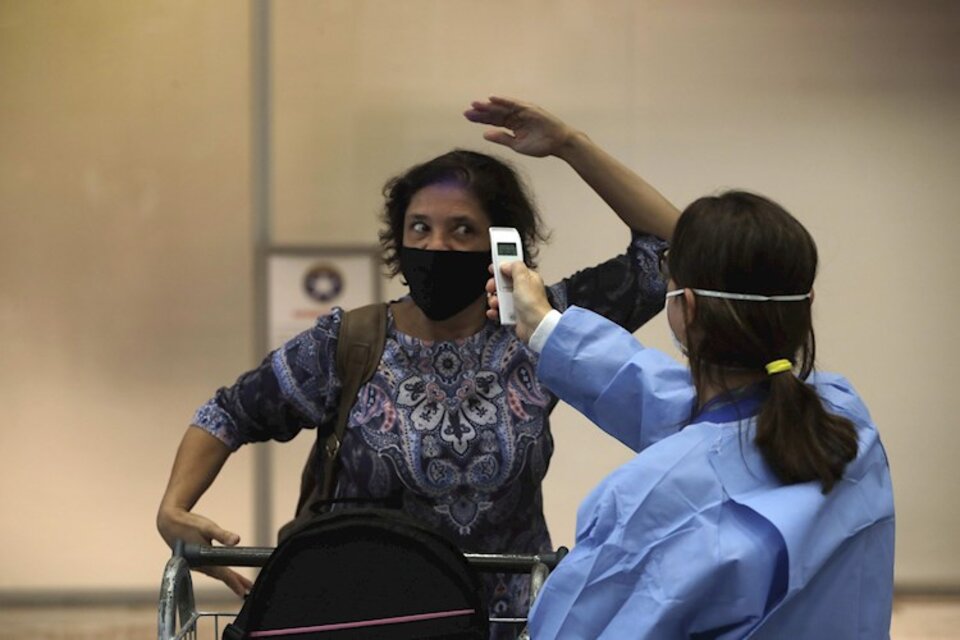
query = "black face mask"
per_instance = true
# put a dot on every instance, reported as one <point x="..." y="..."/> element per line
<point x="444" y="283"/>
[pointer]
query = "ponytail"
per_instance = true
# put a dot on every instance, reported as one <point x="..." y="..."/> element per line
<point x="799" y="439"/>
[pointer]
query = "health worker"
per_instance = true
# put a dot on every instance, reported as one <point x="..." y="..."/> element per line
<point x="759" y="503"/>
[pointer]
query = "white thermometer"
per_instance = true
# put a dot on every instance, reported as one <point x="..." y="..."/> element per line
<point x="505" y="246"/>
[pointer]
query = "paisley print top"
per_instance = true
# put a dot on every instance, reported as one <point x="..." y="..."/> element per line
<point x="456" y="433"/>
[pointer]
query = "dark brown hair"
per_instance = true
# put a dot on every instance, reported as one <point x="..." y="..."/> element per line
<point x="744" y="243"/>
<point x="493" y="182"/>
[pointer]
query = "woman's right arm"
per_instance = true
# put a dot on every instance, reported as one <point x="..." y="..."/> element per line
<point x="295" y="387"/>
<point x="198" y="461"/>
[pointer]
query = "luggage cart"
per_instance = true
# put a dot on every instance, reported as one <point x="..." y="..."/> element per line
<point x="179" y="619"/>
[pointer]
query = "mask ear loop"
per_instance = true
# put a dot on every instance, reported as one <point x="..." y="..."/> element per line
<point x="682" y="348"/>
<point x="774" y="367"/>
<point x="752" y="297"/>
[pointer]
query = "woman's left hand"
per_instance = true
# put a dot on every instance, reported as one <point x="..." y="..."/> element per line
<point x="533" y="131"/>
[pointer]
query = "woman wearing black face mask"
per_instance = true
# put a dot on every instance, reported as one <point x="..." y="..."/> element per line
<point x="453" y="425"/>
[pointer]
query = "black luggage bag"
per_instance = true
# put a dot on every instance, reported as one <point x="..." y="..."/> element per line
<point x="364" y="574"/>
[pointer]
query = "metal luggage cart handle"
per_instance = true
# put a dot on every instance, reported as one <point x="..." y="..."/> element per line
<point x="177" y="612"/>
<point x="538" y="565"/>
<point x="199" y="555"/>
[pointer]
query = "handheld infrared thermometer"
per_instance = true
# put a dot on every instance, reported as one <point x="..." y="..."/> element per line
<point x="505" y="246"/>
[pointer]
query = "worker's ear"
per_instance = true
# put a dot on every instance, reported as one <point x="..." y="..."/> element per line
<point x="689" y="306"/>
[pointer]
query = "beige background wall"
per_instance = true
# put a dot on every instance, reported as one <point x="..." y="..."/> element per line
<point x="126" y="216"/>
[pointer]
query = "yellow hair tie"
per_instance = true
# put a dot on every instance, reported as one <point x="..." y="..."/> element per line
<point x="778" y="366"/>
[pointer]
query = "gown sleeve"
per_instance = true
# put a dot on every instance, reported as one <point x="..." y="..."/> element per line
<point x="295" y="387"/>
<point x="626" y="289"/>
<point x="637" y="395"/>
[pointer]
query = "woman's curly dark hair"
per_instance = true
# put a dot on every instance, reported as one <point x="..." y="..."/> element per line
<point x="493" y="182"/>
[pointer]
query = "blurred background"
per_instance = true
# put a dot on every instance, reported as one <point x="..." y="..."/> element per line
<point x="152" y="151"/>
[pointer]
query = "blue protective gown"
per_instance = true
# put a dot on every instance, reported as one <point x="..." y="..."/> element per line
<point x="696" y="537"/>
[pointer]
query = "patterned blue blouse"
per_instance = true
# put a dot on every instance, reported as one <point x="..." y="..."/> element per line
<point x="455" y="432"/>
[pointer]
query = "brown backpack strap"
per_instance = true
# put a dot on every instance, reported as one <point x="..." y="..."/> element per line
<point x="363" y="332"/>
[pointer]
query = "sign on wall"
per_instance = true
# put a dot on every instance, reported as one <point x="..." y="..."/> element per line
<point x="305" y="282"/>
